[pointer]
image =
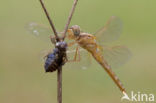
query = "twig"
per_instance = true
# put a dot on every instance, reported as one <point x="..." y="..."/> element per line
<point x="69" y="19"/>
<point x="50" y="21"/>
<point x="59" y="70"/>
<point x="59" y="85"/>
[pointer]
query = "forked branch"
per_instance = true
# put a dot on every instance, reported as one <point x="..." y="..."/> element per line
<point x="69" y="19"/>
<point x="50" y="20"/>
<point x="59" y="73"/>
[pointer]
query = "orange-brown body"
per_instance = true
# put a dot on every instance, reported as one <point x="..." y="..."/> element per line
<point x="88" y="42"/>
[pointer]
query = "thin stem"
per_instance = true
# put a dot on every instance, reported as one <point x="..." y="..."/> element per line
<point x="50" y="21"/>
<point x="59" y="85"/>
<point x="69" y="19"/>
<point x="59" y="71"/>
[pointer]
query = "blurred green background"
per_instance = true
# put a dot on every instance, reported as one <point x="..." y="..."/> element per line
<point x="22" y="76"/>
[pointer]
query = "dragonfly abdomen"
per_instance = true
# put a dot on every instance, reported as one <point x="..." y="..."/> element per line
<point x="100" y="59"/>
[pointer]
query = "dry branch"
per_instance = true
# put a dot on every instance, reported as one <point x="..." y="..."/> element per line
<point x="69" y="19"/>
<point x="50" y="20"/>
<point x="59" y="70"/>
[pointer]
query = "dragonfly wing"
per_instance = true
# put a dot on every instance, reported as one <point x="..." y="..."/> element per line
<point x="39" y="30"/>
<point x="83" y="63"/>
<point x="111" y="31"/>
<point x="44" y="53"/>
<point x="116" y="56"/>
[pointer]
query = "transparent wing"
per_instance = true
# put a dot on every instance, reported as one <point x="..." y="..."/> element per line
<point x="83" y="63"/>
<point x="111" y="31"/>
<point x="43" y="32"/>
<point x="39" y="30"/>
<point x="44" y="53"/>
<point x="116" y="56"/>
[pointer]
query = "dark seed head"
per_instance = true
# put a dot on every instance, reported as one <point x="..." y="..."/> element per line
<point x="61" y="45"/>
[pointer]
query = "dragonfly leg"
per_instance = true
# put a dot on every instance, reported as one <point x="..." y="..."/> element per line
<point x="71" y="44"/>
<point x="77" y="54"/>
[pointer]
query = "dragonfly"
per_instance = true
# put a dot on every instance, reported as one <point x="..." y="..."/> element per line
<point x="94" y="44"/>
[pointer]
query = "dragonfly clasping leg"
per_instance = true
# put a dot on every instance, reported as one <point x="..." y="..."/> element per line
<point x="77" y="53"/>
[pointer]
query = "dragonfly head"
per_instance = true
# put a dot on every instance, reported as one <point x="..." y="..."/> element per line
<point x="76" y="30"/>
